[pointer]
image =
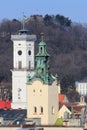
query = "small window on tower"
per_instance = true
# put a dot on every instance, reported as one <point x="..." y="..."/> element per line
<point x="41" y="110"/>
<point x="41" y="49"/>
<point x="34" y="90"/>
<point x="40" y="90"/>
<point x="35" y="109"/>
<point x="29" y="64"/>
<point x="19" y="64"/>
<point x="53" y="111"/>
<point x="29" y="52"/>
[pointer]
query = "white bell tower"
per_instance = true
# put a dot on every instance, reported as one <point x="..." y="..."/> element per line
<point x="23" y="64"/>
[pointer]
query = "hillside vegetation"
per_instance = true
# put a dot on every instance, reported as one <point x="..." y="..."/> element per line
<point x="66" y="44"/>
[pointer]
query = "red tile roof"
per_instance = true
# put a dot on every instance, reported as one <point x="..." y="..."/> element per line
<point x="78" y="108"/>
<point x="61" y="98"/>
<point x="5" y="104"/>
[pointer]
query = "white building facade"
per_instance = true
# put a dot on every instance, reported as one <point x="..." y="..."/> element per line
<point x="23" y="65"/>
<point x="81" y="86"/>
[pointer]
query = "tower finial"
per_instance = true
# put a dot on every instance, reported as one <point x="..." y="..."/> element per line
<point x="42" y="36"/>
<point x="24" y="18"/>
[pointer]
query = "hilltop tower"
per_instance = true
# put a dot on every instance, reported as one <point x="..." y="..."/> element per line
<point x="23" y="65"/>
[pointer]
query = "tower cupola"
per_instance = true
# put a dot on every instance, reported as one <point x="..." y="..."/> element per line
<point x="23" y="31"/>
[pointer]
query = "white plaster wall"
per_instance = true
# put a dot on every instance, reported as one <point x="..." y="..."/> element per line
<point x="19" y="76"/>
<point x="24" y="46"/>
<point x="52" y="102"/>
<point x="19" y="80"/>
<point x="31" y="46"/>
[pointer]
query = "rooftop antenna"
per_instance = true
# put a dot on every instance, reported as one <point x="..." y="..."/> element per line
<point x="23" y="30"/>
<point x="24" y="17"/>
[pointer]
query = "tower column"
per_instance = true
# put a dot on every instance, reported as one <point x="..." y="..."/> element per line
<point x="23" y="65"/>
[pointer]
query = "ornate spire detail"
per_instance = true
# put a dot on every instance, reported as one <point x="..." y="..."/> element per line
<point x="42" y="65"/>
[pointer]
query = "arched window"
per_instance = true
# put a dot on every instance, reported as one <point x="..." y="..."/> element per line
<point x="41" y="110"/>
<point x="29" y="52"/>
<point x="29" y="64"/>
<point x="41" y="49"/>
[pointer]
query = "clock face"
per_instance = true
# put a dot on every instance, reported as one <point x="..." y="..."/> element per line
<point x="19" y="52"/>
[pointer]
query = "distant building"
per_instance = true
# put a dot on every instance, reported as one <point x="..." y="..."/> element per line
<point x="81" y="86"/>
<point x="62" y="98"/>
<point x="64" y="112"/>
<point x="23" y="64"/>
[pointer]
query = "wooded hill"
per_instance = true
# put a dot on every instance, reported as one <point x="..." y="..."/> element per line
<point x="66" y="44"/>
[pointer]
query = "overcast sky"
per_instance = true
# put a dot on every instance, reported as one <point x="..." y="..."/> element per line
<point x="76" y="10"/>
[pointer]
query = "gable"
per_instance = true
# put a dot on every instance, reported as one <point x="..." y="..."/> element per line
<point x="63" y="110"/>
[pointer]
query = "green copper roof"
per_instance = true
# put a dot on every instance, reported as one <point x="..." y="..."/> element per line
<point x="43" y="54"/>
<point x="42" y="43"/>
<point x="42" y="49"/>
<point x="42" y="67"/>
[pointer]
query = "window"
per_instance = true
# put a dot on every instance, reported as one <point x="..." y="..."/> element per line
<point x="34" y="90"/>
<point x="19" y="90"/>
<point x="29" y="44"/>
<point x="19" y="44"/>
<point x="29" y="52"/>
<point x="41" y="110"/>
<point x="19" y="64"/>
<point x="41" y="49"/>
<point x="40" y="90"/>
<point x="42" y="70"/>
<point x="35" y="109"/>
<point x="19" y="52"/>
<point x="29" y="64"/>
<point x="52" y="110"/>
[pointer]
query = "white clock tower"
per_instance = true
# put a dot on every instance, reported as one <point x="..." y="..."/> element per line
<point x="23" y="65"/>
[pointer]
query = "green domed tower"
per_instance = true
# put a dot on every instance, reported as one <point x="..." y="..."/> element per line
<point x="42" y="66"/>
<point x="42" y="63"/>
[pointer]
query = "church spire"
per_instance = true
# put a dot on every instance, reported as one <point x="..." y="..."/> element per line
<point x="42" y="62"/>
